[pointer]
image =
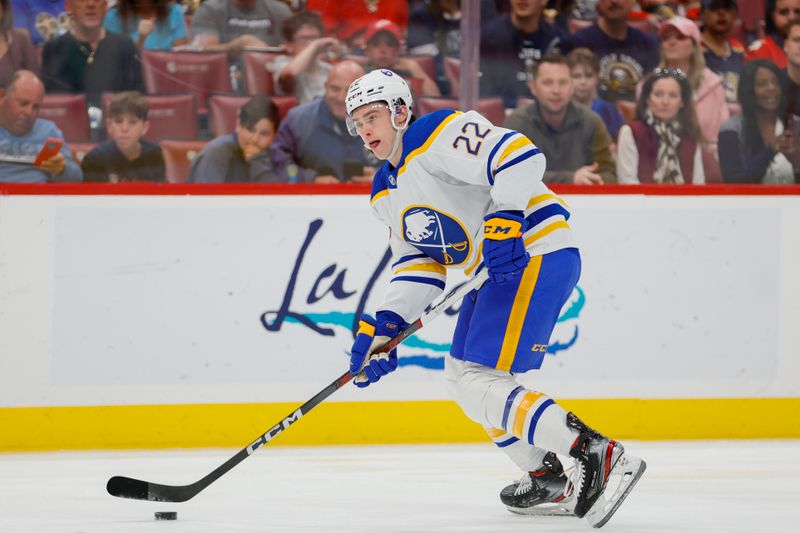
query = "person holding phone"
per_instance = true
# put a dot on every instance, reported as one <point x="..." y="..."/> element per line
<point x="23" y="135"/>
<point x="759" y="145"/>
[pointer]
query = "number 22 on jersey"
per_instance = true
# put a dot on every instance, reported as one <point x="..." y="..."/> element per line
<point x="472" y="141"/>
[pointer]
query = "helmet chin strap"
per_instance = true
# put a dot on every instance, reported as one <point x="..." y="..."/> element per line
<point x="398" y="135"/>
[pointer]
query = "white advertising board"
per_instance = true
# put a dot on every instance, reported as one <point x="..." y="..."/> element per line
<point x="114" y="300"/>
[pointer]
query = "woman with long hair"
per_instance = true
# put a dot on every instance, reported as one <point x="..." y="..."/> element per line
<point x="151" y="24"/>
<point x="756" y="146"/>
<point x="681" y="48"/>
<point x="663" y="144"/>
<point x="16" y="50"/>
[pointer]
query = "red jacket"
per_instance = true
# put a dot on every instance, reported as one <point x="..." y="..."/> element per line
<point x="767" y="48"/>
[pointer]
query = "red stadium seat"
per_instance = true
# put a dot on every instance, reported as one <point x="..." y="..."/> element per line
<point x="257" y="78"/>
<point x="178" y="156"/>
<point x="427" y="63"/>
<point x="199" y="73"/>
<point x="79" y="150"/>
<point x="224" y="109"/>
<point x="491" y="108"/>
<point x="171" y="116"/>
<point x="68" y="111"/>
<point x="452" y="71"/>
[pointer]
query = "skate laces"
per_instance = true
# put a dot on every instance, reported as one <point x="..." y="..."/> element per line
<point x="524" y="485"/>
<point x="576" y="476"/>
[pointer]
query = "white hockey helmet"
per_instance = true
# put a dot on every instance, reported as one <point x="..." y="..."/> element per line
<point x="380" y="85"/>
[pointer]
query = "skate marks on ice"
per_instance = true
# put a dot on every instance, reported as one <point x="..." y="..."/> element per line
<point x="717" y="486"/>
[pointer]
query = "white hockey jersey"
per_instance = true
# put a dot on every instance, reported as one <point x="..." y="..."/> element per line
<point x="456" y="168"/>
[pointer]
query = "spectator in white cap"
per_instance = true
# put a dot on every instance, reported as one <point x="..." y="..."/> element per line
<point x="384" y="46"/>
<point x="681" y="49"/>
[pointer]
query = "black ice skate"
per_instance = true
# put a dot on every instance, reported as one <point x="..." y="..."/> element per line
<point x="543" y="492"/>
<point x="606" y="474"/>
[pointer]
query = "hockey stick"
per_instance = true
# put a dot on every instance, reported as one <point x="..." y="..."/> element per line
<point x="125" y="487"/>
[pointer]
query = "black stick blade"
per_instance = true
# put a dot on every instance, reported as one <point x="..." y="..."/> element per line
<point x="135" y="489"/>
<point x="125" y="487"/>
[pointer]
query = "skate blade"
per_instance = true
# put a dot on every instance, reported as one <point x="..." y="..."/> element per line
<point x="541" y="510"/>
<point x="565" y="507"/>
<point x="625" y="474"/>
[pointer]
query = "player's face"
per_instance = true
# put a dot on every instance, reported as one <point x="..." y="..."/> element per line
<point x="767" y="90"/>
<point x="20" y="108"/>
<point x="126" y="130"/>
<point x="552" y="87"/>
<point x="665" y="100"/>
<point x="676" y="46"/>
<point x="584" y="79"/>
<point x="785" y="11"/>
<point x="792" y="45"/>
<point x="719" y="20"/>
<point x="373" y="123"/>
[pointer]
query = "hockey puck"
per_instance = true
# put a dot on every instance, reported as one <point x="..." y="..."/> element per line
<point x="166" y="515"/>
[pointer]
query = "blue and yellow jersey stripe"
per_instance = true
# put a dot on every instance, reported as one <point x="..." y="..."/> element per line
<point x="419" y="268"/>
<point x="512" y="149"/>
<point x="416" y="140"/>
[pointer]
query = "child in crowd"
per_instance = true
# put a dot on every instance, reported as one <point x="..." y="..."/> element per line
<point x="585" y="69"/>
<point x="303" y="71"/>
<point x="664" y="143"/>
<point x="125" y="156"/>
<point x="242" y="156"/>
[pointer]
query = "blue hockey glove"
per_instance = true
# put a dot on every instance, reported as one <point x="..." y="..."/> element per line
<point x="368" y="367"/>
<point x="503" y="247"/>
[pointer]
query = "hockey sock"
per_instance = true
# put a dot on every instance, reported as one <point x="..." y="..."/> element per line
<point x="528" y="458"/>
<point x="537" y="420"/>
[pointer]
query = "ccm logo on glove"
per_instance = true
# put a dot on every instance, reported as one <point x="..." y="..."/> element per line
<point x="498" y="229"/>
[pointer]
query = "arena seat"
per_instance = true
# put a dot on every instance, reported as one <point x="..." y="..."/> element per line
<point x="452" y="71"/>
<point x="491" y="108"/>
<point x="69" y="113"/>
<point x="224" y="109"/>
<point x="256" y="77"/>
<point x="171" y="116"/>
<point x="426" y="62"/>
<point x="178" y="156"/>
<point x="199" y="73"/>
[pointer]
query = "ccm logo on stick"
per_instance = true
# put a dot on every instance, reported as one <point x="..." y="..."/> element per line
<point x="274" y="431"/>
<point x="539" y="348"/>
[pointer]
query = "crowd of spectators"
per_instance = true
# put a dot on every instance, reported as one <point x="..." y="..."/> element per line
<point x="612" y="91"/>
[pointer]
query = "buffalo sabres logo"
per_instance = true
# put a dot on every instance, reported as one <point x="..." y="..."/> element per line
<point x="437" y="234"/>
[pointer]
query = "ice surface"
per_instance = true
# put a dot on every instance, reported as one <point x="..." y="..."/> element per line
<point x="725" y="486"/>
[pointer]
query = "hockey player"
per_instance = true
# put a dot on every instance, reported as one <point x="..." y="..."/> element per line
<point x="459" y="192"/>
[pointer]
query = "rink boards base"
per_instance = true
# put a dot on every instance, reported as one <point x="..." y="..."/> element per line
<point x="346" y="423"/>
